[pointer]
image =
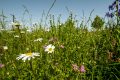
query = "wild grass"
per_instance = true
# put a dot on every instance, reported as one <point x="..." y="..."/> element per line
<point x="97" y="50"/>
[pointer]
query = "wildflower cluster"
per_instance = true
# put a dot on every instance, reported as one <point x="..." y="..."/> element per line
<point x="79" y="69"/>
<point x="36" y="51"/>
<point x="27" y="56"/>
<point x="114" y="6"/>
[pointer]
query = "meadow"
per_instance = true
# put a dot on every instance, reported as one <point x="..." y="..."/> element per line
<point x="60" y="52"/>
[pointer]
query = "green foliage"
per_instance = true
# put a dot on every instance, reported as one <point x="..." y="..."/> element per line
<point x="97" y="23"/>
<point x="97" y="50"/>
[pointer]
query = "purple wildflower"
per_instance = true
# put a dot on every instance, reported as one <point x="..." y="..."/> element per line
<point x="110" y="7"/>
<point x="111" y="15"/>
<point x="119" y="12"/>
<point x="44" y="46"/>
<point x="114" y="4"/>
<point x="107" y="14"/>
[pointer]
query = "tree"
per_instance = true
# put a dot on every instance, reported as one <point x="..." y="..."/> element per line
<point x="97" y="23"/>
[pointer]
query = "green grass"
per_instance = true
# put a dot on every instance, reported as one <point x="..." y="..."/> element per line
<point x="81" y="46"/>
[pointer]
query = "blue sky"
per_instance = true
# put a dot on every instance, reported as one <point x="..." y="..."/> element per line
<point x="36" y="8"/>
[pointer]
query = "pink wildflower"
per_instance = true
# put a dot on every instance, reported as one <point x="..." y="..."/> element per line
<point x="2" y="65"/>
<point x="44" y="46"/>
<point x="82" y="69"/>
<point x="62" y="46"/>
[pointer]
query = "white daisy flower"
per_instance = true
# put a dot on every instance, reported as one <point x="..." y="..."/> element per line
<point x="39" y="39"/>
<point x="50" y="48"/>
<point x="27" y="56"/>
<point x="5" y="47"/>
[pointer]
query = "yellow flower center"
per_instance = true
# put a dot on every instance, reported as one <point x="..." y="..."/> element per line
<point x="29" y="54"/>
<point x="50" y="49"/>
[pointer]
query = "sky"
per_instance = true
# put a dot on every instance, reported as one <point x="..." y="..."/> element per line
<point x="36" y="8"/>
